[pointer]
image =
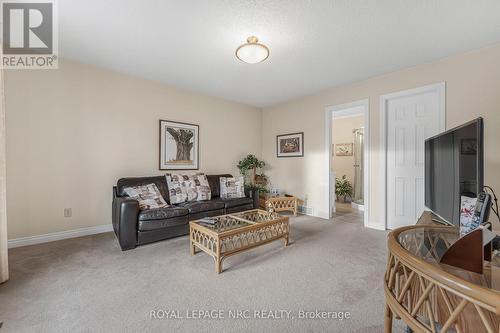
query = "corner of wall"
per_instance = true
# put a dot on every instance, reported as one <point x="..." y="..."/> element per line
<point x="261" y="134"/>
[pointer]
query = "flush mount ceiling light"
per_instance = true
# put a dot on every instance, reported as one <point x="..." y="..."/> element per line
<point x="252" y="52"/>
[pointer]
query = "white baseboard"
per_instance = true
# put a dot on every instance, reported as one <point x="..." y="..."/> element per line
<point x="38" y="239"/>
<point x="376" y="226"/>
<point x="358" y="206"/>
<point x="322" y="215"/>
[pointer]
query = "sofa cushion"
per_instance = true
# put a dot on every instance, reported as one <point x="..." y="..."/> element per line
<point x="238" y="209"/>
<point x="209" y="213"/>
<point x="201" y="206"/>
<point x="162" y="213"/>
<point x="231" y="188"/>
<point x="159" y="181"/>
<point x="148" y="195"/>
<point x="171" y="223"/>
<point x="230" y="203"/>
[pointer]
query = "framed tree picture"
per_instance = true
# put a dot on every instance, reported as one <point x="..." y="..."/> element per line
<point x="290" y="145"/>
<point x="179" y="143"/>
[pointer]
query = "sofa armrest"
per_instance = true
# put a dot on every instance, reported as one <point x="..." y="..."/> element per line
<point x="125" y="215"/>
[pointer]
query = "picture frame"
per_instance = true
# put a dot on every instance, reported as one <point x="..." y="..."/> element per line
<point x="290" y="145"/>
<point x="179" y="146"/>
<point x="468" y="146"/>
<point x="343" y="149"/>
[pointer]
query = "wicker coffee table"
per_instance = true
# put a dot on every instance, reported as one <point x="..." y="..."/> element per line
<point x="235" y="233"/>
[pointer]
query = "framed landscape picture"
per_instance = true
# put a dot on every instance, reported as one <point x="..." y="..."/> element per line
<point x="343" y="149"/>
<point x="178" y="146"/>
<point x="290" y="145"/>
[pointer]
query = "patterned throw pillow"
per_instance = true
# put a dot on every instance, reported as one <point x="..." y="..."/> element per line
<point x="176" y="187"/>
<point x="231" y="188"/>
<point x="201" y="187"/>
<point x="149" y="196"/>
<point x="467" y="206"/>
<point x="184" y="188"/>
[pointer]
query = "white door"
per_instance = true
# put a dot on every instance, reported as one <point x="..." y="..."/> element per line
<point x="411" y="118"/>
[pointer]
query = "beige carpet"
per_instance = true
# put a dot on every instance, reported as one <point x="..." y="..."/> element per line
<point x="88" y="285"/>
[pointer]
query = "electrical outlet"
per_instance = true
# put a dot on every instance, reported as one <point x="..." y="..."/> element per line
<point x="68" y="212"/>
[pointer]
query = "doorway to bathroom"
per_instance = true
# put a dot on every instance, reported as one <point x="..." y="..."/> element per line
<point x="348" y="160"/>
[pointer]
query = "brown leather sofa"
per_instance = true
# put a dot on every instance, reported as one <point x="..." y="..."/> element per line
<point x="134" y="227"/>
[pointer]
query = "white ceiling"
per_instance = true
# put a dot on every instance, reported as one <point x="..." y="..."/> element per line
<point x="314" y="45"/>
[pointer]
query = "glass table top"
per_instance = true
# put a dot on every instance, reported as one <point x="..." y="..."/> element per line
<point x="225" y="223"/>
<point x="430" y="242"/>
<point x="238" y="220"/>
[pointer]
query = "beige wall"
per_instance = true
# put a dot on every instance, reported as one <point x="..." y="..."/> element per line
<point x="342" y="133"/>
<point x="72" y="132"/>
<point x="472" y="90"/>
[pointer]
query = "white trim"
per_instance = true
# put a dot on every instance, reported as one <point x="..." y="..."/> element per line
<point x="322" y="215"/>
<point x="55" y="236"/>
<point x="375" y="225"/>
<point x="342" y="112"/>
<point x="4" y="253"/>
<point x="357" y="206"/>
<point x="357" y="110"/>
<point x="440" y="88"/>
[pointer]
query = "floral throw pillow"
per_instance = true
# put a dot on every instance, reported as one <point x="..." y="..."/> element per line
<point x="149" y="196"/>
<point x="467" y="206"/>
<point x="231" y="188"/>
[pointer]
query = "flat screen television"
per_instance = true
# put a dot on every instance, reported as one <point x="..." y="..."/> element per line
<point x="453" y="168"/>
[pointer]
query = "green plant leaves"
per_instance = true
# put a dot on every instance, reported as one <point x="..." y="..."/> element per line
<point x="343" y="187"/>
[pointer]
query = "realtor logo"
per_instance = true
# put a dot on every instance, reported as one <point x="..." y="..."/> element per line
<point x="29" y="35"/>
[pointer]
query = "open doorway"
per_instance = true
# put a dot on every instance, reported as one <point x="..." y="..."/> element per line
<point x="348" y="160"/>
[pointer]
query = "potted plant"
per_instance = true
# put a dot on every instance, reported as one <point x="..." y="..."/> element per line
<point x="343" y="188"/>
<point x="255" y="182"/>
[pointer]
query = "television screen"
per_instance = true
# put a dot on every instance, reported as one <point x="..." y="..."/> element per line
<point x="453" y="168"/>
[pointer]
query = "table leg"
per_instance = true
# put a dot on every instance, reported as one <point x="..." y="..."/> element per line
<point x="218" y="265"/>
<point x="192" y="248"/>
<point x="387" y="319"/>
<point x="286" y="240"/>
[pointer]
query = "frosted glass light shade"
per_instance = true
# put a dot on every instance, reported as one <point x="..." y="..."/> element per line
<point x="252" y="52"/>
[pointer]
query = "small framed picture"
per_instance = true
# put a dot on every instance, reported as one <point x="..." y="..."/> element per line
<point x="290" y="145"/>
<point x="343" y="149"/>
<point x="178" y="146"/>
<point x="468" y="147"/>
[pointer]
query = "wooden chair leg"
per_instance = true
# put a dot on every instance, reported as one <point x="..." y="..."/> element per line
<point x="387" y="319"/>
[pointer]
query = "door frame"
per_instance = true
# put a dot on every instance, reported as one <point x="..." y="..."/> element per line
<point x="340" y="111"/>
<point x="4" y="260"/>
<point x="440" y="88"/>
